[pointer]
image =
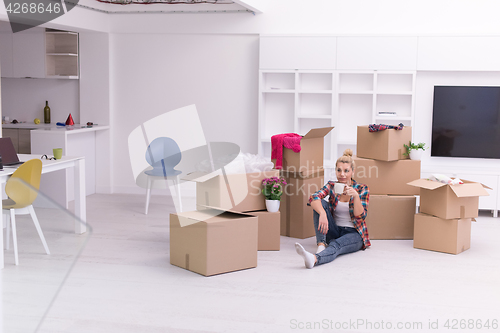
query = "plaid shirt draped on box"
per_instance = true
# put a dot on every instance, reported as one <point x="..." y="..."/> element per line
<point x="364" y="196"/>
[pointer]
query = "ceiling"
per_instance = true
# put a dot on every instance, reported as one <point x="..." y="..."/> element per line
<point x="167" y="6"/>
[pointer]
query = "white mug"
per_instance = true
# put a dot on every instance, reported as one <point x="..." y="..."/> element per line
<point x="339" y="188"/>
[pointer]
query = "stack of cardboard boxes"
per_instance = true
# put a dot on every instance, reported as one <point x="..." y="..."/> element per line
<point x="381" y="165"/>
<point x="229" y="226"/>
<point x="303" y="172"/>
<point x="446" y="212"/>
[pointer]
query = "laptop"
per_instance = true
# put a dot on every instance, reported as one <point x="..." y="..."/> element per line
<point x="8" y="152"/>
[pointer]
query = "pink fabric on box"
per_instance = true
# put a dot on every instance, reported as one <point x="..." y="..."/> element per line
<point x="289" y="140"/>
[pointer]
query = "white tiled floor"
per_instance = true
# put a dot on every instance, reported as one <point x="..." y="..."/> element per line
<point x="123" y="282"/>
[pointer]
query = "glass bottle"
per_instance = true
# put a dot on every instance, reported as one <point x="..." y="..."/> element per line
<point x="46" y="113"/>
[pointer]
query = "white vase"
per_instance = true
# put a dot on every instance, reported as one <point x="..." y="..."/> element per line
<point x="272" y="205"/>
<point x="416" y="154"/>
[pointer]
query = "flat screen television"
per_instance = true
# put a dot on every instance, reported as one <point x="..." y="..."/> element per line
<point x="466" y="122"/>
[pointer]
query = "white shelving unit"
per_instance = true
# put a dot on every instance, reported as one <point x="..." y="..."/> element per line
<point x="61" y="54"/>
<point x="295" y="101"/>
<point x="363" y="94"/>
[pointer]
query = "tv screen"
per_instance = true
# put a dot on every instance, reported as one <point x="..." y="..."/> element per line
<point x="465" y="122"/>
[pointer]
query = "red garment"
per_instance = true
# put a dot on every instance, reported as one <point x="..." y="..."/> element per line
<point x="289" y="140"/>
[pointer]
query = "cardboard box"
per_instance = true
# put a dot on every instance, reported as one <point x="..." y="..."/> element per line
<point x="385" y="145"/>
<point x="449" y="201"/>
<point x="437" y="234"/>
<point x="387" y="177"/>
<point x="296" y="215"/>
<point x="391" y="216"/>
<point x="269" y="230"/>
<point x="235" y="192"/>
<point x="310" y="156"/>
<point x="212" y="242"/>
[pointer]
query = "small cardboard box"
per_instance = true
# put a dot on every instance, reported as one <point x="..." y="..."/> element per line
<point x="310" y="156"/>
<point x="296" y="215"/>
<point x="437" y="234"/>
<point x="212" y="241"/>
<point x="235" y="192"/>
<point x="387" y="145"/>
<point x="269" y="230"/>
<point x="387" y="177"/>
<point x="391" y="216"/>
<point x="449" y="201"/>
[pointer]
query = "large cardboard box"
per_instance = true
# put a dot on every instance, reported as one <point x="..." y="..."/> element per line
<point x="296" y="215"/>
<point x="387" y="177"/>
<point x="212" y="242"/>
<point x="235" y="192"/>
<point x="269" y="230"/>
<point x="391" y="216"/>
<point x="310" y="156"/>
<point x="437" y="234"/>
<point x="449" y="201"/>
<point x="387" y="145"/>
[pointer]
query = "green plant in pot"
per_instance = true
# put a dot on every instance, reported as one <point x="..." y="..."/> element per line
<point x="415" y="150"/>
<point x="272" y="190"/>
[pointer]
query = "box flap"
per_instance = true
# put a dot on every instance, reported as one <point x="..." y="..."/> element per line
<point x="468" y="181"/>
<point x="469" y="189"/>
<point x="317" y="133"/>
<point x="427" y="184"/>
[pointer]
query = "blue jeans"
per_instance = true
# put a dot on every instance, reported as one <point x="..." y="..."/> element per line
<point x="338" y="240"/>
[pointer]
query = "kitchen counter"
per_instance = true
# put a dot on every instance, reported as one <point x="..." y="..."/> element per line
<point x="77" y="128"/>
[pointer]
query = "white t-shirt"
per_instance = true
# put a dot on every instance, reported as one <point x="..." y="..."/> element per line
<point x="342" y="216"/>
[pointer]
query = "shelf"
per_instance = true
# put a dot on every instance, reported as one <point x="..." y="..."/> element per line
<point x="63" y="54"/>
<point x="315" y="92"/>
<point x="70" y="77"/>
<point x="408" y="93"/>
<point x="278" y="91"/>
<point x="368" y="92"/>
<point x="393" y="118"/>
<point x="314" y="116"/>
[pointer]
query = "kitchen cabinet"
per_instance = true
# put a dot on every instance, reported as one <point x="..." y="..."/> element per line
<point x="28" y="49"/>
<point x="6" y="57"/>
<point x="21" y="138"/>
<point x="61" y="52"/>
<point x="39" y="53"/>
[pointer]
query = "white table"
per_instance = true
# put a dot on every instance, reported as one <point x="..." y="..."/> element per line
<point x="78" y="164"/>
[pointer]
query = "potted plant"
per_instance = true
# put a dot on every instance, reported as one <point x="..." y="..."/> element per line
<point x="415" y="150"/>
<point x="272" y="190"/>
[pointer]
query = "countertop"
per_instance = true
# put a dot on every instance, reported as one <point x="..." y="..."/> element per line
<point x="53" y="128"/>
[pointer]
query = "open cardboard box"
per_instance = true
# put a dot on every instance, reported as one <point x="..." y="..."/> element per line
<point x="310" y="156"/>
<point x="212" y="241"/>
<point x="442" y="235"/>
<point x="387" y="177"/>
<point x="235" y="192"/>
<point x="391" y="216"/>
<point x="450" y="201"/>
<point x="296" y="215"/>
<point x="387" y="145"/>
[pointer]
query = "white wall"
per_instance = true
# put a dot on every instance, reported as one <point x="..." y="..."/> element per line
<point x="24" y="99"/>
<point x="366" y="17"/>
<point x="155" y="73"/>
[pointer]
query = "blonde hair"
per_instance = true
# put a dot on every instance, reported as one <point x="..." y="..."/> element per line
<point x="346" y="158"/>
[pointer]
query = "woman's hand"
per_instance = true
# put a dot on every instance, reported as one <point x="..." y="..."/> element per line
<point x="350" y="191"/>
<point x="323" y="224"/>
